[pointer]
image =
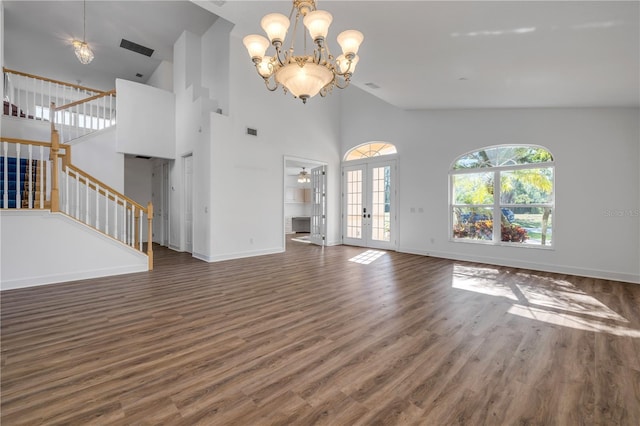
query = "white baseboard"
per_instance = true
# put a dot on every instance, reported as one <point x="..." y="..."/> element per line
<point x="241" y="255"/>
<point x="75" y="276"/>
<point x="535" y="266"/>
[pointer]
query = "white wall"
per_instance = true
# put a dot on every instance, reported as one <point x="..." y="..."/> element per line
<point x="96" y="154"/>
<point x="597" y="163"/>
<point x="137" y="183"/>
<point x="215" y="62"/>
<point x="247" y="171"/>
<point x="238" y="190"/>
<point x="21" y="128"/>
<point x="146" y="124"/>
<point x="42" y="248"/>
<point x="191" y="129"/>
<point x="162" y="77"/>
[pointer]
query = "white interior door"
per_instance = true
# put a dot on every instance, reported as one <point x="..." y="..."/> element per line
<point x="156" y="200"/>
<point x="369" y="204"/>
<point x="160" y="200"/>
<point x="165" y="204"/>
<point x="188" y="204"/>
<point x="318" y="228"/>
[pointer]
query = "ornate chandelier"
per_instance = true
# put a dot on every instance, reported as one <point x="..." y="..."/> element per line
<point x="82" y="49"/>
<point x="303" y="176"/>
<point x="303" y="75"/>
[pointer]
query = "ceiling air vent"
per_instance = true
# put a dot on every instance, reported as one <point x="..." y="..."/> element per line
<point x="135" y="47"/>
<point x="372" y="85"/>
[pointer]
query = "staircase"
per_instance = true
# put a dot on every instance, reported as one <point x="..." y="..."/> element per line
<point x="39" y="175"/>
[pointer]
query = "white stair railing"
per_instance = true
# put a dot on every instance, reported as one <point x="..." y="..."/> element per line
<point x="79" y="118"/>
<point x="95" y="204"/>
<point x="82" y="110"/>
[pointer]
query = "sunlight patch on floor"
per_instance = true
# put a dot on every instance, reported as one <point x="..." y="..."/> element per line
<point x="569" y="299"/>
<point x="572" y="321"/>
<point x="367" y="257"/>
<point x="480" y="280"/>
<point x="554" y="301"/>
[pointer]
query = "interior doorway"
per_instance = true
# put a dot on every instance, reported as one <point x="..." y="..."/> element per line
<point x="160" y="200"/>
<point x="188" y="202"/>
<point x="305" y="201"/>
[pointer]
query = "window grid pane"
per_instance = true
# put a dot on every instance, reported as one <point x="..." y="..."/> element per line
<point x="518" y="187"/>
<point x="381" y="215"/>
<point x="354" y="206"/>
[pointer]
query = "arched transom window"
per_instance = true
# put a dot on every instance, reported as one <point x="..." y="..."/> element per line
<point x="370" y="149"/>
<point x="503" y="195"/>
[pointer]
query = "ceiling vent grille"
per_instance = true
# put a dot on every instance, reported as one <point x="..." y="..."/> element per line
<point x="135" y="47"/>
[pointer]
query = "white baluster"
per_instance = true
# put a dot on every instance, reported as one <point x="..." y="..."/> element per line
<point x="41" y="99"/>
<point x="104" y="112"/>
<point x="5" y="197"/>
<point x="18" y="103"/>
<point x="48" y="98"/>
<point x="86" y="201"/>
<point x="77" y="199"/>
<point x="131" y="228"/>
<point x="18" y="195"/>
<point x="106" y="212"/>
<point x="115" y="216"/>
<point x="33" y="113"/>
<point x="30" y="191"/>
<point x="66" y="192"/>
<point x="140" y="230"/>
<point x="76" y="120"/>
<point x="41" y="174"/>
<point x="124" y="222"/>
<point x="97" y="207"/>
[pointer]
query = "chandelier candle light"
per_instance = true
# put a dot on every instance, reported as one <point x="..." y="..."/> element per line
<point x="303" y="75"/>
<point x="82" y="49"/>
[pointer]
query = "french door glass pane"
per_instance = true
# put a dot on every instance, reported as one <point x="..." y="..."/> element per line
<point x="354" y="204"/>
<point x="381" y="196"/>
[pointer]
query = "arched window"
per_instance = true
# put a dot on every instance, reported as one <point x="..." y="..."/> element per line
<point x="513" y="184"/>
<point x="370" y="149"/>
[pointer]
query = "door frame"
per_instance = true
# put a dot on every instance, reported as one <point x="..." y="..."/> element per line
<point x="309" y="164"/>
<point x="160" y="200"/>
<point x="367" y="164"/>
<point x="186" y="199"/>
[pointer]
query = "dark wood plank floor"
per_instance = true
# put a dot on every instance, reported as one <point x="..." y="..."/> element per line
<point x="309" y="337"/>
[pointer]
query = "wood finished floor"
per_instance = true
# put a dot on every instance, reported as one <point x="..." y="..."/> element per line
<point x="309" y="337"/>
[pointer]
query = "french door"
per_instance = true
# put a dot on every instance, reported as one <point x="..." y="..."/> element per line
<point x="318" y="226"/>
<point x="369" y="215"/>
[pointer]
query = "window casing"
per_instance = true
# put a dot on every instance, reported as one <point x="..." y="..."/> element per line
<point x="511" y="183"/>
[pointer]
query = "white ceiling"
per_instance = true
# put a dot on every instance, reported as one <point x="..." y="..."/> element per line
<point x="38" y="37"/>
<point x="422" y="54"/>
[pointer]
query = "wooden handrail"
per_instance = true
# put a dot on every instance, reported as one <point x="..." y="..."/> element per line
<point x="88" y="178"/>
<point x="24" y="141"/>
<point x="75" y="86"/>
<point x="82" y="101"/>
